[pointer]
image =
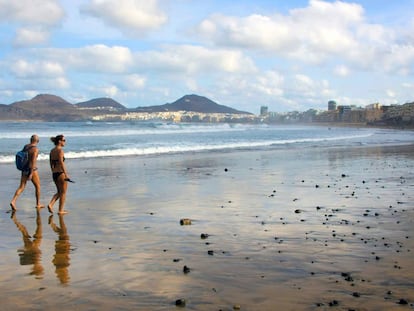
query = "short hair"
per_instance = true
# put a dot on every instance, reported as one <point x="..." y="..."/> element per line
<point x="34" y="138"/>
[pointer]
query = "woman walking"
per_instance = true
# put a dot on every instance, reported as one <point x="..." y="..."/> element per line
<point x="59" y="173"/>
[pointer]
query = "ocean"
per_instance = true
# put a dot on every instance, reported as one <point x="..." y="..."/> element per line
<point x="122" y="139"/>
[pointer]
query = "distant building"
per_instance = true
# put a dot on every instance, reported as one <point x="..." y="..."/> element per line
<point x="331" y="105"/>
<point x="374" y="106"/>
<point x="264" y="110"/>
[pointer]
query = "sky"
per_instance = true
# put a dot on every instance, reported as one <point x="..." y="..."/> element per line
<point x="287" y="55"/>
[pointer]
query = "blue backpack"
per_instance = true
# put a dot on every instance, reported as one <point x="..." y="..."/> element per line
<point x="22" y="159"/>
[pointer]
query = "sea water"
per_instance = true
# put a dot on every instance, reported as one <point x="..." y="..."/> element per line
<point x="120" y="139"/>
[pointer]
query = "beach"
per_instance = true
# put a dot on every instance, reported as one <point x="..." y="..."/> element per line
<point x="286" y="229"/>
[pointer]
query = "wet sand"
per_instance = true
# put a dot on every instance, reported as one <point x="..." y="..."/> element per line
<point x="302" y="229"/>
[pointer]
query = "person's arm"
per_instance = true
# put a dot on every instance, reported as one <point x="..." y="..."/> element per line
<point x="62" y="164"/>
<point x="34" y="152"/>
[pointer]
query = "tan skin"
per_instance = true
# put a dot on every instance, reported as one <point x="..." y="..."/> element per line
<point x="57" y="165"/>
<point x="32" y="174"/>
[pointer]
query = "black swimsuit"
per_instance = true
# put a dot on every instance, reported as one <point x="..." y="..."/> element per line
<point x="57" y="174"/>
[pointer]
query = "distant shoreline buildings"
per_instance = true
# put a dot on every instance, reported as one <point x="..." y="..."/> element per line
<point x="373" y="114"/>
<point x="195" y="108"/>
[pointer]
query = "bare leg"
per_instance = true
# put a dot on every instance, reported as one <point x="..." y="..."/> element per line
<point x="36" y="183"/>
<point x="54" y="198"/>
<point x="63" y="186"/>
<point x="23" y="181"/>
<point x="52" y="202"/>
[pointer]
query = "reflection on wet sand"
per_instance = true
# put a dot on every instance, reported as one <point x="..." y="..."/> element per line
<point x="31" y="254"/>
<point x="61" y="259"/>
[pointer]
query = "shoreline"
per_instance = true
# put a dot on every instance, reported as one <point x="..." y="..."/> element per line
<point x="300" y="229"/>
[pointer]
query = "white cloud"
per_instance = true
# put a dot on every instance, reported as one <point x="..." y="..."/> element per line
<point x="390" y="93"/>
<point x="110" y="91"/>
<point x="97" y="58"/>
<point x="30" y="36"/>
<point x="269" y="83"/>
<point x="342" y="71"/>
<point x="132" y="17"/>
<point x="38" y="12"/>
<point x="314" y="34"/>
<point x="38" y="69"/>
<point x="35" y="19"/>
<point x="133" y="82"/>
<point x="315" y="31"/>
<point x="308" y="90"/>
<point x="195" y="60"/>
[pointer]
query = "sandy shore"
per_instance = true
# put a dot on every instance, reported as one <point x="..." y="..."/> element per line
<point x="303" y="229"/>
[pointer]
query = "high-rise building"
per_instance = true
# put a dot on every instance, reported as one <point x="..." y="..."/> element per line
<point x="264" y="110"/>
<point x="331" y="105"/>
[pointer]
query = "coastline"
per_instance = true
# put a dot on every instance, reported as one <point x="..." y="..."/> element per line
<point x="299" y="229"/>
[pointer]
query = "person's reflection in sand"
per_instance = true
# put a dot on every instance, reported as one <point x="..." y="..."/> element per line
<point x="62" y="248"/>
<point x="31" y="254"/>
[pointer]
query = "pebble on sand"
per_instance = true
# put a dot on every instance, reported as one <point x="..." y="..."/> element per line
<point x="185" y="221"/>
<point x="180" y="302"/>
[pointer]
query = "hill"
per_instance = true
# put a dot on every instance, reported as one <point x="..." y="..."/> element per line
<point x="46" y="107"/>
<point x="193" y="103"/>
<point x="102" y="103"/>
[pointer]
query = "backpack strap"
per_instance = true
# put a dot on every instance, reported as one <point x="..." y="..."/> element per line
<point x="27" y="149"/>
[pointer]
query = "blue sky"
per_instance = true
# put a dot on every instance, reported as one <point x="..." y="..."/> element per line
<point x="287" y="55"/>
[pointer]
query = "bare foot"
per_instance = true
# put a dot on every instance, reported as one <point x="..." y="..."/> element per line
<point x="50" y="209"/>
<point x="62" y="212"/>
<point x="39" y="206"/>
<point x="13" y="207"/>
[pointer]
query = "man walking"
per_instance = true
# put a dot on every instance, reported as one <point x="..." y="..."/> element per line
<point x="30" y="173"/>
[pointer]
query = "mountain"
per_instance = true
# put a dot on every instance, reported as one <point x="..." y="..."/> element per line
<point x="7" y="112"/>
<point x="46" y="107"/>
<point x="102" y="103"/>
<point x="193" y="103"/>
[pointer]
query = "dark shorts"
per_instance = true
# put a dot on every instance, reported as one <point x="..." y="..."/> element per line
<point x="28" y="171"/>
<point x="56" y="176"/>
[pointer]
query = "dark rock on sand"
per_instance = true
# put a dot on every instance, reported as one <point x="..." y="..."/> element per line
<point x="180" y="302"/>
<point x="402" y="302"/>
<point x="347" y="276"/>
<point x="333" y="303"/>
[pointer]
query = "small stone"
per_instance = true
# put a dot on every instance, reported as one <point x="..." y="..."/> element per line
<point x="186" y="269"/>
<point x="185" y="221"/>
<point x="333" y="303"/>
<point x="204" y="236"/>
<point x="236" y="307"/>
<point x="403" y="302"/>
<point x="211" y="253"/>
<point x="180" y="302"/>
